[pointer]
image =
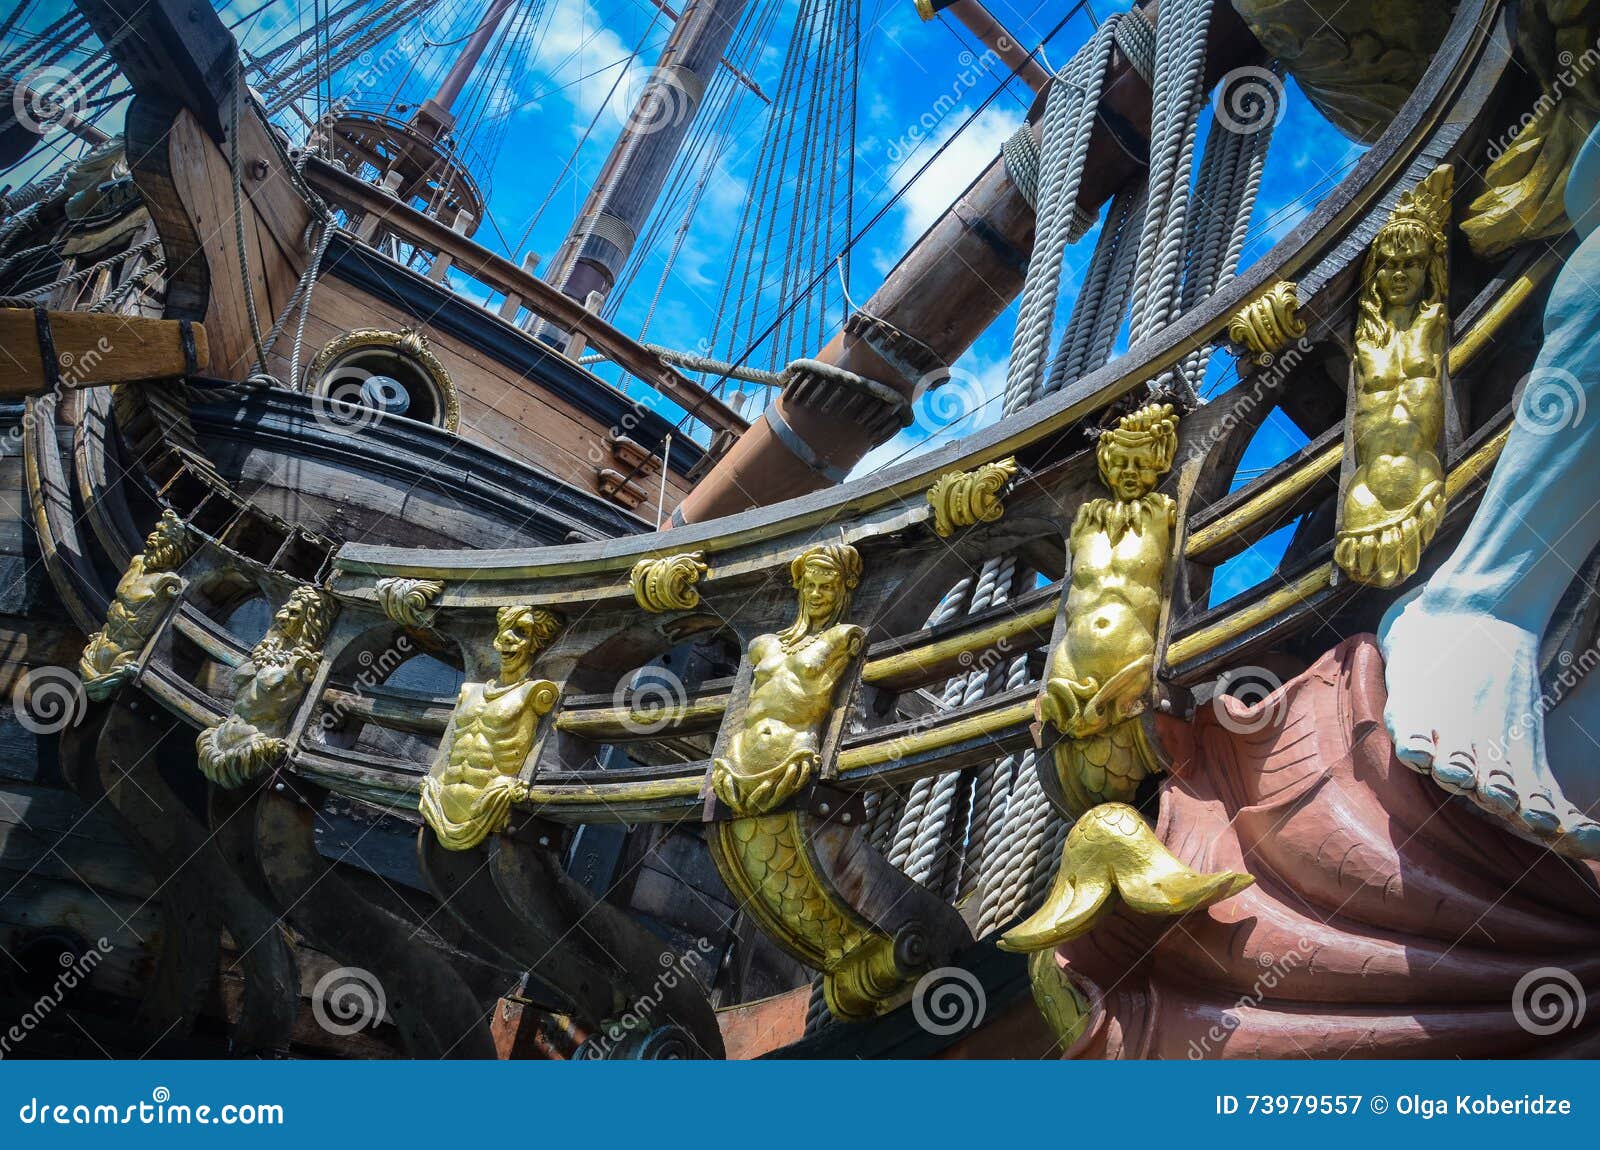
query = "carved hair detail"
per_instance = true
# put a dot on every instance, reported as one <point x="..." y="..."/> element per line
<point x="168" y="543"/>
<point x="839" y="557"/>
<point x="316" y="620"/>
<point x="1418" y="223"/>
<point x="1150" y="432"/>
<point x="543" y="624"/>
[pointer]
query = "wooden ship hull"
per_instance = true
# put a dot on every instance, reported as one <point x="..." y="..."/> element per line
<point x="620" y="901"/>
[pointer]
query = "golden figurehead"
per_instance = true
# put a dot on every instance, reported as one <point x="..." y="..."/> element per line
<point x="144" y="592"/>
<point x="775" y="750"/>
<point x="477" y="771"/>
<point x="1396" y="494"/>
<point x="1100" y="673"/>
<point x="267" y="688"/>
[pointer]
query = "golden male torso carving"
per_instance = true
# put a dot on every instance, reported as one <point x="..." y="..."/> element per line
<point x="1100" y="673"/>
<point x="144" y="592"/>
<point x="477" y="779"/>
<point x="1395" y="495"/>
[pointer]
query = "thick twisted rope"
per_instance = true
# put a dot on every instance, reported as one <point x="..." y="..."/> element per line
<point x="1069" y="120"/>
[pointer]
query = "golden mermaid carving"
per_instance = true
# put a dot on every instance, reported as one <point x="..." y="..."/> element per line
<point x="267" y="688"/>
<point x="774" y="861"/>
<point x="144" y="592"/>
<point x="774" y="752"/>
<point x="1396" y="494"/>
<point x="476" y="773"/>
<point x="1100" y="673"/>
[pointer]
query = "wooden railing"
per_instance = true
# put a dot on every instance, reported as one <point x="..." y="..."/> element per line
<point x="501" y="275"/>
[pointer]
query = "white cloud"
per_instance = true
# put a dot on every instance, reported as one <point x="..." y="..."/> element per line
<point x="965" y="156"/>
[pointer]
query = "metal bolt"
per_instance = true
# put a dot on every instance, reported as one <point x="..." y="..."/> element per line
<point x="824" y="808"/>
<point x="845" y="818"/>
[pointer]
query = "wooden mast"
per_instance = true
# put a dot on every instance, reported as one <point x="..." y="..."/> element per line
<point x="434" y="116"/>
<point x="631" y="179"/>
<point x="943" y="294"/>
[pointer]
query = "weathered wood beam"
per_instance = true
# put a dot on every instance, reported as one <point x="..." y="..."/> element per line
<point x="176" y="48"/>
<point x="91" y="349"/>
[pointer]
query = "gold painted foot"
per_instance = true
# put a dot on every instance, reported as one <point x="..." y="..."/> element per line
<point x="1111" y="850"/>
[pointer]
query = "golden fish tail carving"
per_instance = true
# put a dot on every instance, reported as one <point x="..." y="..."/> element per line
<point x="1066" y="1009"/>
<point x="768" y="865"/>
<point x="1110" y="851"/>
<point x="1105" y="767"/>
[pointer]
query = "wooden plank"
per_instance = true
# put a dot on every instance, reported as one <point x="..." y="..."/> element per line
<point x="92" y="349"/>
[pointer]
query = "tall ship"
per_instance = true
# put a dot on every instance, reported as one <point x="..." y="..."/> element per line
<point x="1143" y="610"/>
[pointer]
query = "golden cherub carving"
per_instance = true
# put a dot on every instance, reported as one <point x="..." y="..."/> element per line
<point x="1100" y="673"/>
<point x="775" y="751"/>
<point x="266" y="690"/>
<point x="477" y="770"/>
<point x="1396" y="495"/>
<point x="144" y="592"/>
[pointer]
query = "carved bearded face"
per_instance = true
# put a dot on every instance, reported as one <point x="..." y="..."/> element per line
<point x="164" y="547"/>
<point x="290" y="620"/>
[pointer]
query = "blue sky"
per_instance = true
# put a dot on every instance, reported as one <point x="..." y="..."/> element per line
<point x="918" y="83"/>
